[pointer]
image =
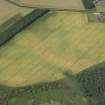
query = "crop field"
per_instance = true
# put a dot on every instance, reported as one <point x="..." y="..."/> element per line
<point x="64" y="91"/>
<point x="64" y="4"/>
<point x="8" y="10"/>
<point x="57" y="42"/>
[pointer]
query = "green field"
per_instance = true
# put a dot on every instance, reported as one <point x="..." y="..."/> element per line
<point x="63" y="92"/>
<point x="57" y="42"/>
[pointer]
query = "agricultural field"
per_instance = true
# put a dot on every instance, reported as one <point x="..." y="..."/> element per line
<point x="64" y="4"/>
<point x="9" y="16"/>
<point x="57" y="42"/>
<point x="9" y="10"/>
<point x="62" y="92"/>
